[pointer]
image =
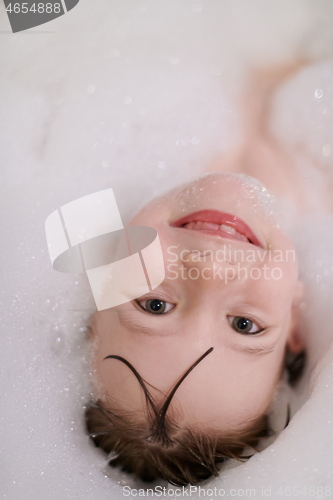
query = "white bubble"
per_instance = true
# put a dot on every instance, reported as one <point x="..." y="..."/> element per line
<point x="319" y="93"/>
<point x="195" y="141"/>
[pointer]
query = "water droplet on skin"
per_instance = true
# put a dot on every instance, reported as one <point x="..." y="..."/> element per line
<point x="319" y="93"/>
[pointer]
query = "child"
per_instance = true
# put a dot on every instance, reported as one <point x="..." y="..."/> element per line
<point x="187" y="373"/>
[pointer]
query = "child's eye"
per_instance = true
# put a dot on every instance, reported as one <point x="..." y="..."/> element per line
<point x="156" y="306"/>
<point x="244" y="325"/>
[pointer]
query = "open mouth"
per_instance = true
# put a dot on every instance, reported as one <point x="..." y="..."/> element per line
<point x="219" y="224"/>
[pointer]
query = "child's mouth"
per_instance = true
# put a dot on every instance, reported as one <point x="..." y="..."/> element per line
<point x="219" y="224"/>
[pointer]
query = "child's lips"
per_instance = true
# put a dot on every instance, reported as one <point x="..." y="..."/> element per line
<point x="219" y="224"/>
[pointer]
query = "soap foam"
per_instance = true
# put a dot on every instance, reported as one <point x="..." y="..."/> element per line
<point x="137" y="98"/>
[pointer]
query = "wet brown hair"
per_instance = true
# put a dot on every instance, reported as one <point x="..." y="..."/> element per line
<point x="159" y="447"/>
<point x="187" y="456"/>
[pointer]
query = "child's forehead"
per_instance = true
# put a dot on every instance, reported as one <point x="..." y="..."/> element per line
<point x="211" y="395"/>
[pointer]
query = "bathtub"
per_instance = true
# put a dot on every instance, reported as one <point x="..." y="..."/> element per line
<point x="141" y="97"/>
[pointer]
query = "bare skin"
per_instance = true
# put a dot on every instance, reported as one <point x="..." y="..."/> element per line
<point x="260" y="155"/>
<point x="234" y="386"/>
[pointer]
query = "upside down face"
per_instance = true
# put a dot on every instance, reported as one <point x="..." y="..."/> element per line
<point x="231" y="284"/>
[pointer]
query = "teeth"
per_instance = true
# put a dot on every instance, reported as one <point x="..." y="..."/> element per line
<point x="210" y="225"/>
<point x="228" y="229"/>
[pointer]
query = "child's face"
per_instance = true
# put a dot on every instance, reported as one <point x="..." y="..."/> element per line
<point x="239" y="303"/>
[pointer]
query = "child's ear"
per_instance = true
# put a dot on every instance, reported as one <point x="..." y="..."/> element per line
<point x="295" y="340"/>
